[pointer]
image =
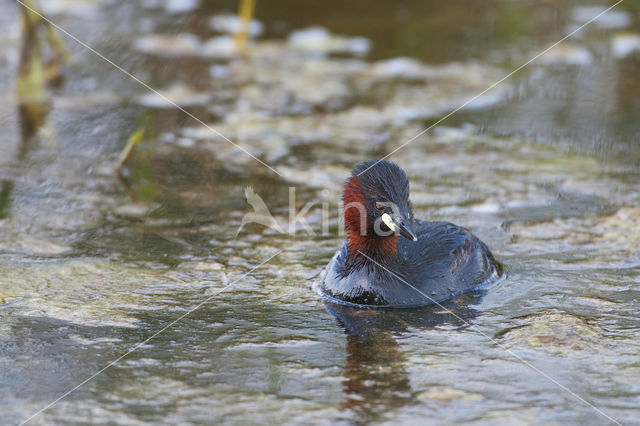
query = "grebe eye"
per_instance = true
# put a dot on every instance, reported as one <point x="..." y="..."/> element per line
<point x="380" y="205"/>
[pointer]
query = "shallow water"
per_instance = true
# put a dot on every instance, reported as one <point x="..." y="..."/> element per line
<point x="544" y="169"/>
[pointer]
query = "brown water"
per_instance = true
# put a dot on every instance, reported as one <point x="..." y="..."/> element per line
<point x="544" y="169"/>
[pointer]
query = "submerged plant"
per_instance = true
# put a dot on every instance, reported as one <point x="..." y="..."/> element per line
<point x="34" y="71"/>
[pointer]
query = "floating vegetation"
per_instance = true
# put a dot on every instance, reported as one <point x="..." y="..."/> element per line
<point x="179" y="94"/>
<point x="318" y="39"/>
<point x="176" y="7"/>
<point x="234" y="24"/>
<point x="625" y="44"/>
<point x="568" y="54"/>
<point x="557" y="334"/>
<point x="169" y="46"/>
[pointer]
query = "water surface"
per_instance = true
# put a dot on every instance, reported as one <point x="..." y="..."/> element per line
<point x="544" y="169"/>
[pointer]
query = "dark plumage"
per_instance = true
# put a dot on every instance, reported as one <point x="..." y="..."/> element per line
<point x="377" y="267"/>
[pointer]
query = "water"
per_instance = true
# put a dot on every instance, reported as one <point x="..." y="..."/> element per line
<point x="544" y="169"/>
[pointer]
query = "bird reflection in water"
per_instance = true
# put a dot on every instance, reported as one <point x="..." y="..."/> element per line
<point x="375" y="378"/>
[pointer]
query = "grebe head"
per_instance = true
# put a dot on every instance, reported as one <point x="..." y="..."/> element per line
<point x="377" y="206"/>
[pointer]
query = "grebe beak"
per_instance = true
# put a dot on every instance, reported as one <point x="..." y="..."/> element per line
<point x="399" y="225"/>
<point x="406" y="231"/>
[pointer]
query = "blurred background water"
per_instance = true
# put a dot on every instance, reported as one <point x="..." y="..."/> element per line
<point x="544" y="169"/>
